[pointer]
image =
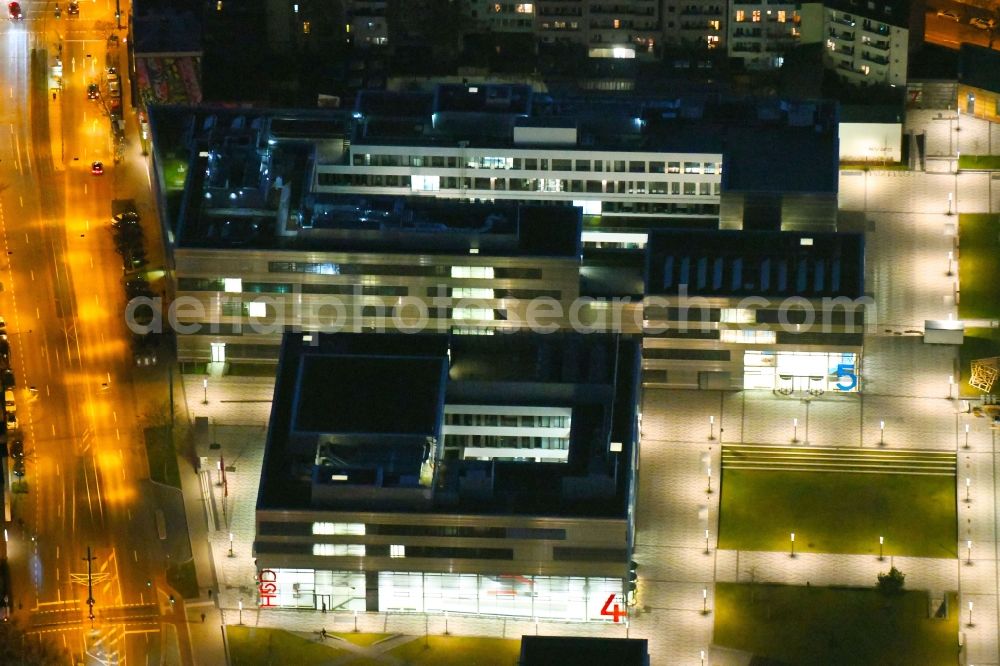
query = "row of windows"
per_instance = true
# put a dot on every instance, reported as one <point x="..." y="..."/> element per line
<point x="493" y="184"/>
<point x="378" y="550"/>
<point x="327" y="268"/>
<point x="398" y="315"/>
<point x="206" y="284"/>
<point x="535" y="164"/>
<point x="505" y="442"/>
<point x="508" y="420"/>
<point x="361" y="529"/>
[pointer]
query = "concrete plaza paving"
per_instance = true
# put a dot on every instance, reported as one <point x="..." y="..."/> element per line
<point x="905" y="385"/>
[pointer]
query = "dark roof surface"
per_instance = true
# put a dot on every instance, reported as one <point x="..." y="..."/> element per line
<point x="548" y="650"/>
<point x="368" y="394"/>
<point x="755" y="263"/>
<point x="979" y="67"/>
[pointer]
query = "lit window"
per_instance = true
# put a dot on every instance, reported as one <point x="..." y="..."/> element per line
<point x="737" y="316"/>
<point x="617" y="24"/>
<point x="482" y="272"/>
<point x="473" y="313"/>
<point x="741" y="15"/>
<point x="497" y="8"/>
<point x="525" y="8"/>
<point x="748" y="337"/>
<point x="305" y="27"/>
<point x="425" y="183"/>
<point x="782" y="16"/>
<point x="218" y="6"/>
<point x="338" y="549"/>
<point x="256" y="309"/>
<point x="347" y="27"/>
<point x="471" y="292"/>
<point x="397" y="550"/>
<point x="338" y="528"/>
<point x="233" y="285"/>
<point x="713" y="41"/>
<point x="756" y="16"/>
<point x="714" y="25"/>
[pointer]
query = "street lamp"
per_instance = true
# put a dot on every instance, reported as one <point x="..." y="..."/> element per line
<point x="881" y="433"/>
<point x="708" y="472"/>
<point x="704" y="601"/>
<point x="881" y="543"/>
<point x="231" y="545"/>
<point x="951" y="259"/>
<point x="795" y="430"/>
<point x="951" y="386"/>
<point x="970" y="624"/>
<point x="966" y="436"/>
<point x="204" y="386"/>
<point x="968" y="552"/>
<point x="241" y="611"/>
<point x="706" y="542"/>
<point x="950" y="198"/>
<point x="791" y="552"/>
<point x="702" y="658"/>
<point x="968" y="487"/>
<point x="711" y="427"/>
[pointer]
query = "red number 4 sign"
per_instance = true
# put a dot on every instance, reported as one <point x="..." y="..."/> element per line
<point x="615" y="612"/>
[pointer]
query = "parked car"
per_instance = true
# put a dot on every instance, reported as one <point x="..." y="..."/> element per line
<point x="981" y="23"/>
<point x="144" y="348"/>
<point x="949" y="15"/>
<point x="93" y="91"/>
<point x="7" y="380"/>
<point x="74" y="8"/>
<point x="14" y="12"/>
<point x="97" y="168"/>
<point x="19" y="466"/>
<point x="16" y="446"/>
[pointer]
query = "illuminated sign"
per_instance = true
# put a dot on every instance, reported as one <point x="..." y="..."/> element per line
<point x="615" y="607"/>
<point x="267" y="588"/>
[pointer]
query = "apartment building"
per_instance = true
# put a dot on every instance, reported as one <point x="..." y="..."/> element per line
<point x="608" y="28"/>
<point x="471" y="487"/>
<point x="867" y="42"/>
<point x="760" y="33"/>
<point x="775" y="310"/>
<point x="696" y="24"/>
<point x="366" y="23"/>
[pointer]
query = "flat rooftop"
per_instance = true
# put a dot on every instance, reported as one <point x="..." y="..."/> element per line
<point x="357" y="420"/>
<point x="755" y="263"/>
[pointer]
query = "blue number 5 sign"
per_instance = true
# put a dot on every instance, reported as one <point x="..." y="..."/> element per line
<point x="847" y="379"/>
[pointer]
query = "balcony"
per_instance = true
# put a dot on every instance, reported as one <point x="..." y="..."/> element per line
<point x="876" y="28"/>
<point x="881" y="46"/>
<point x="877" y="59"/>
<point x="844" y="21"/>
<point x="843" y="35"/>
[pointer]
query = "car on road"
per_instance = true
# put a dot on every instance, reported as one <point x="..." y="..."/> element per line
<point x="949" y="15"/>
<point x="16" y="447"/>
<point x="8" y="399"/>
<point x="3" y="324"/>
<point x="981" y="23"/>
<point x="93" y="91"/>
<point x="19" y="466"/>
<point x="144" y="350"/>
<point x="74" y="8"/>
<point x="14" y="12"/>
<point x="7" y="380"/>
<point x="97" y="168"/>
<point x="11" y="421"/>
<point x="4" y="349"/>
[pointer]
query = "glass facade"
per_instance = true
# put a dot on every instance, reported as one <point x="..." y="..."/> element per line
<point x="554" y="597"/>
<point x="801" y="371"/>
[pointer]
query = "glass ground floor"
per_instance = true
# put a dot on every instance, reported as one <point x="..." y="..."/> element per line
<point x="553" y="597"/>
<point x="790" y="371"/>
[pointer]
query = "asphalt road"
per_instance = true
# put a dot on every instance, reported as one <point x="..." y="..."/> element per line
<point x="80" y="401"/>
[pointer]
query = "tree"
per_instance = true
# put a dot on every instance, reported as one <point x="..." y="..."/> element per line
<point x="20" y="649"/>
<point x="891" y="584"/>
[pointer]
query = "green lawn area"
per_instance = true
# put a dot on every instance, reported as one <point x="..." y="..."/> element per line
<point x="458" y="651"/>
<point x="979" y="162"/>
<point x="174" y="173"/>
<point x="364" y="640"/>
<point x="250" y="646"/>
<point x="820" y="625"/>
<point x="162" y="456"/>
<point x="838" y="512"/>
<point x="183" y="578"/>
<point x="979" y="266"/>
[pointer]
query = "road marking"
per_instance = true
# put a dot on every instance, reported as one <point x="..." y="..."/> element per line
<point x="135" y="555"/>
<point x="46" y="390"/>
<point x="53" y="429"/>
<point x="114" y="415"/>
<point x="97" y="300"/>
<point x="117" y="434"/>
<point x="57" y="557"/>
<point x="85" y="188"/>
<point x="32" y="274"/>
<point x="58" y="473"/>
<point x="129" y="512"/>
<point x="21" y="200"/>
<point x="38" y="313"/>
<point x="91" y="261"/>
